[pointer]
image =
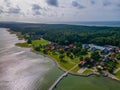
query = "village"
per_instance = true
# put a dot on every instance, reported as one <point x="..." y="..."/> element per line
<point x="90" y="58"/>
<point x="104" y="58"/>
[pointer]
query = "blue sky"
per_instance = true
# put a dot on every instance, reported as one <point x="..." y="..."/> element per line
<point x="59" y="10"/>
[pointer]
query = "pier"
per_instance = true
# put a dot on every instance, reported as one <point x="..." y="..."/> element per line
<point x="61" y="77"/>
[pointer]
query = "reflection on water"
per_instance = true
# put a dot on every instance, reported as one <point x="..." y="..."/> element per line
<point x="21" y="69"/>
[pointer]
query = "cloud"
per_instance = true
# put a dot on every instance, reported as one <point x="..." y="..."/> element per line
<point x="60" y="10"/>
<point x="77" y="5"/>
<point x="37" y="13"/>
<point x="8" y="3"/>
<point x="52" y="2"/>
<point x="36" y="9"/>
<point x="118" y="5"/>
<point x="1" y="11"/>
<point x="14" y="10"/>
<point x="92" y="2"/>
<point x="106" y="3"/>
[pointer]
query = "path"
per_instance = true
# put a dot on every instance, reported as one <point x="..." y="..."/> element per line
<point x="61" y="77"/>
<point x="82" y="70"/>
<point x="117" y="70"/>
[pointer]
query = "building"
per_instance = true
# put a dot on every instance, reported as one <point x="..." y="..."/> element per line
<point x="105" y="51"/>
<point x="93" y="49"/>
<point x="82" y="63"/>
<point x="86" y="46"/>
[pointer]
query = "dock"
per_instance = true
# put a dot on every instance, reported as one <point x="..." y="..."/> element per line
<point x="61" y="77"/>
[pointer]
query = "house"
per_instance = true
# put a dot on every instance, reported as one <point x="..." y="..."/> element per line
<point x="96" y="47"/>
<point x="99" y="47"/>
<point x="91" y="60"/>
<point x="111" y="49"/>
<point x="106" y="58"/>
<point x="86" y="46"/>
<point x="53" y="48"/>
<point x="47" y="48"/>
<point x="113" y="53"/>
<point x="118" y="49"/>
<point x="93" y="49"/>
<point x="66" y="48"/>
<point x="100" y="67"/>
<point x="82" y="63"/>
<point x="71" y="46"/>
<point x="105" y="67"/>
<point x="105" y="51"/>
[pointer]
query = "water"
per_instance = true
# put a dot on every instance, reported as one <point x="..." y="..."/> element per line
<point x="21" y="69"/>
<point x="102" y="23"/>
<point x="88" y="83"/>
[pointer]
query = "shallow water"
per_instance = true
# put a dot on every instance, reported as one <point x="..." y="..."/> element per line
<point x="88" y="83"/>
<point x="21" y="69"/>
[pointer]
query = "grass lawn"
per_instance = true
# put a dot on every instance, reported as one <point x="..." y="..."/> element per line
<point x="23" y="45"/>
<point x="118" y="64"/>
<point x="40" y="42"/>
<point x="118" y="74"/>
<point x="67" y="65"/>
<point x="88" y="71"/>
<point x="70" y="63"/>
<point x="76" y="69"/>
<point x="54" y="56"/>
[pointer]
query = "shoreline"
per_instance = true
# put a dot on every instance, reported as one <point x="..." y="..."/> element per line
<point x="57" y="63"/>
<point x="72" y="73"/>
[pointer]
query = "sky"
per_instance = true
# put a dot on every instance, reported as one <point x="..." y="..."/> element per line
<point x="44" y="11"/>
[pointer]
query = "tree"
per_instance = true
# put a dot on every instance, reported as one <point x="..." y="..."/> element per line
<point x="71" y="56"/>
<point x="118" y="56"/>
<point x="36" y="48"/>
<point x="89" y="64"/>
<point x="68" y="53"/>
<point x="62" y="58"/>
<point x="111" y="64"/>
<point x="76" y="51"/>
<point x="45" y="51"/>
<point x="61" y="51"/>
<point x="95" y="55"/>
<point x="78" y="45"/>
<point x="81" y="58"/>
<point x="83" y="51"/>
<point x="29" y="41"/>
<point x="99" y="69"/>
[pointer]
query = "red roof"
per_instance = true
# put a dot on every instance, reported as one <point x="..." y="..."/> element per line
<point x="82" y="62"/>
<point x="71" y="45"/>
<point x="113" y="53"/>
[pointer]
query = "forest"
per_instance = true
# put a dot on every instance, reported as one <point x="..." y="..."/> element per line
<point x="68" y="34"/>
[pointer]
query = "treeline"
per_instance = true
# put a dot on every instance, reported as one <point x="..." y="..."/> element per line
<point x="67" y="34"/>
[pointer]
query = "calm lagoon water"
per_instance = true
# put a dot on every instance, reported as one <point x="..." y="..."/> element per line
<point x="21" y="69"/>
<point x="88" y="83"/>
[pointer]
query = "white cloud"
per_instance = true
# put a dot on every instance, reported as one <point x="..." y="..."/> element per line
<point x="59" y="10"/>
